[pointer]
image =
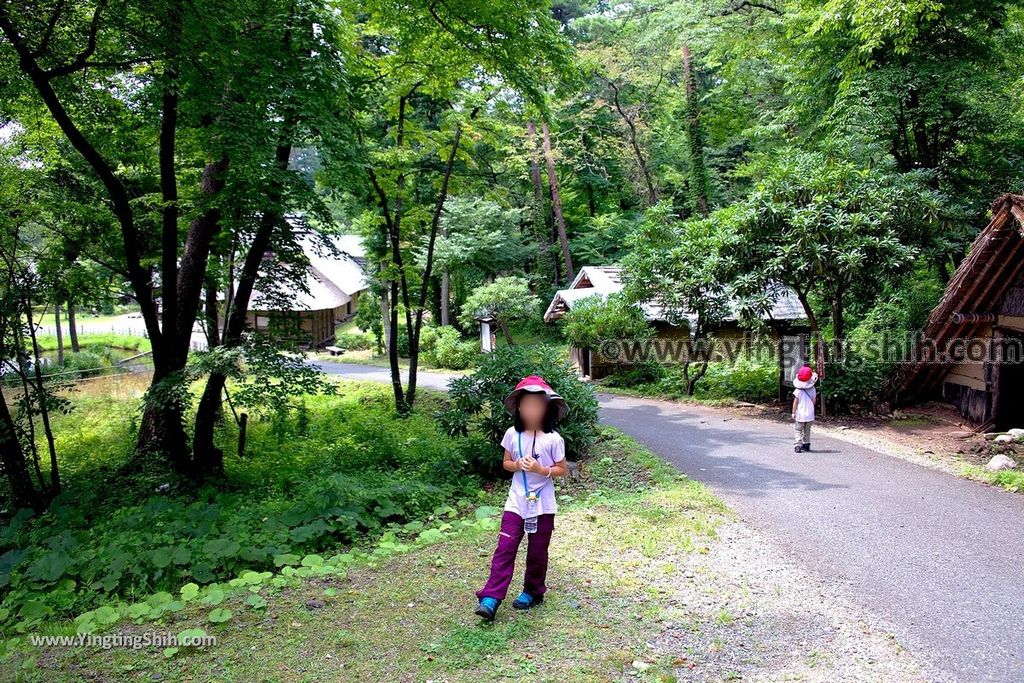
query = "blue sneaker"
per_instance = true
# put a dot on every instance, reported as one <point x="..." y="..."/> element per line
<point x="526" y="601"/>
<point x="487" y="608"/>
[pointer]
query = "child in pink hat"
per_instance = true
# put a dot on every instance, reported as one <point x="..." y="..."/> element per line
<point x="535" y="455"/>
<point x="804" y="394"/>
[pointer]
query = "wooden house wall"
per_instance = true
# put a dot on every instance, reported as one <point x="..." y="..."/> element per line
<point x="663" y="331"/>
<point x="972" y="386"/>
<point x="315" y="328"/>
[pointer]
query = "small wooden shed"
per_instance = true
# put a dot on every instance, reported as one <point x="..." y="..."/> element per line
<point x="969" y="353"/>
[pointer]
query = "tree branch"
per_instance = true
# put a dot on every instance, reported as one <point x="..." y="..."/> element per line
<point x="116" y="189"/>
<point x="747" y="5"/>
<point x="50" y="26"/>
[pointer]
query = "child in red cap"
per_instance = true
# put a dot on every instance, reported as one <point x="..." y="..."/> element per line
<point x="535" y="455"/>
<point x="804" y="394"/>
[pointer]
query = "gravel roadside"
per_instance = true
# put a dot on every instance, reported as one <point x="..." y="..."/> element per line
<point x="745" y="611"/>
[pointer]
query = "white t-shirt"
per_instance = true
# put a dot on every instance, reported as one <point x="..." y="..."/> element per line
<point x="550" y="449"/>
<point x="804" y="404"/>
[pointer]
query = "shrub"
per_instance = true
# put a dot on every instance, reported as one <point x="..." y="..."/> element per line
<point x="443" y="347"/>
<point x="594" y="319"/>
<point x="476" y="401"/>
<point x="857" y="381"/>
<point x="337" y="471"/>
<point x="643" y="373"/>
<point x="82" y="364"/>
<point x="354" y="341"/>
<point x="744" y="380"/>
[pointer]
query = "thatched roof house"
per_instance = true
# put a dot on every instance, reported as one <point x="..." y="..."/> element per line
<point x="605" y="280"/>
<point x="328" y="294"/>
<point x="786" y="316"/>
<point x="967" y="354"/>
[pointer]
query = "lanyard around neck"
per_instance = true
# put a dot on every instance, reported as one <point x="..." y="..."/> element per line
<point x="533" y="453"/>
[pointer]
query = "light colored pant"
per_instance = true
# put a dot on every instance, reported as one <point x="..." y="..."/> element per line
<point x="801" y="433"/>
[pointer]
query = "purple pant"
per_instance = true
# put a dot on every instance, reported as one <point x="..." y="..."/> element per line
<point x="504" y="561"/>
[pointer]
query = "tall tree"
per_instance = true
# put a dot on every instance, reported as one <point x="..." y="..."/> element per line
<point x="427" y="72"/>
<point x="556" y="203"/>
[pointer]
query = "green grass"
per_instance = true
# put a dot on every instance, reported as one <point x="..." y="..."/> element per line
<point x="532" y="332"/>
<point x="409" y="616"/>
<point x="332" y="471"/>
<point x="48" y="342"/>
<point x="44" y="315"/>
<point x="652" y="391"/>
<point x="1011" y="480"/>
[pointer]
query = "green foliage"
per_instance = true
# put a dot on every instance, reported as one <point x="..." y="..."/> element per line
<point x="832" y="231"/>
<point x="481" y="240"/>
<point x="368" y="317"/>
<point x="681" y="266"/>
<point x="476" y="402"/>
<point x="355" y="341"/>
<point x="347" y="471"/>
<point x="96" y="342"/>
<point x="744" y="380"/>
<point x="506" y="299"/>
<point x="594" y="319"/>
<point x="885" y="335"/>
<point x="855" y="382"/>
<point x="268" y="374"/>
<point x="443" y="347"/>
<point x="641" y="374"/>
<point x="78" y="365"/>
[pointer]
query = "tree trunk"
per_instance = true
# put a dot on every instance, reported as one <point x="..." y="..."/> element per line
<point x="540" y="211"/>
<point x="435" y="226"/>
<point x="695" y="136"/>
<point x="161" y="431"/>
<point x="838" y="326"/>
<point x="207" y="458"/>
<point x="446" y="286"/>
<point x="504" y="331"/>
<point x="44" y="413"/>
<point x="73" y="327"/>
<point x="652" y="193"/>
<point x="162" y="428"/>
<point x="385" y="315"/>
<point x="556" y="203"/>
<point x="12" y="457"/>
<point x="60" y="335"/>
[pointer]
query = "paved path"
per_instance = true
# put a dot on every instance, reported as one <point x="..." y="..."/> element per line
<point x="373" y="373"/>
<point x="941" y="559"/>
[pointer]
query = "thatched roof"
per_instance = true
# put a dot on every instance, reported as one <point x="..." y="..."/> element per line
<point x="993" y="264"/>
<point x="333" y="277"/>
<point x="605" y="280"/>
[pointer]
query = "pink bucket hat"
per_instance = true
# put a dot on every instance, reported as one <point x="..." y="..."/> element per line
<point x="805" y="378"/>
<point x="535" y="384"/>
